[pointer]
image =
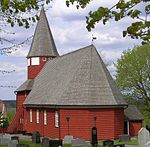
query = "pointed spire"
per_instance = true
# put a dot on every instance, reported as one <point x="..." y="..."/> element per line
<point x="43" y="43"/>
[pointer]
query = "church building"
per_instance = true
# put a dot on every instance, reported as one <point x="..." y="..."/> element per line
<point x="68" y="94"/>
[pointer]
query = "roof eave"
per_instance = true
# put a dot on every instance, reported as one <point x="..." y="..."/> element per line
<point x="74" y="106"/>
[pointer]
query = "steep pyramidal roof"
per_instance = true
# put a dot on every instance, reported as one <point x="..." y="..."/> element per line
<point x="43" y="43"/>
<point x="79" y="78"/>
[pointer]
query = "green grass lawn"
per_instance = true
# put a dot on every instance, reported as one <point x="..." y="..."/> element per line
<point x="132" y="142"/>
<point x="26" y="142"/>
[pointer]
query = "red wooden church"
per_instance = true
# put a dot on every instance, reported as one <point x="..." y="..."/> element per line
<point x="67" y="94"/>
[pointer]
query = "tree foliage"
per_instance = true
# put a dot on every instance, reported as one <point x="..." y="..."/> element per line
<point x="133" y="76"/>
<point x="122" y="9"/>
<point x="11" y="10"/>
<point x="3" y="121"/>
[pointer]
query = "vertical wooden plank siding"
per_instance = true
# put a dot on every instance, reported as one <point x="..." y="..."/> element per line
<point x="119" y="122"/>
<point x="20" y="97"/>
<point x="82" y="120"/>
<point x="109" y="123"/>
<point x="134" y="127"/>
<point x="45" y="130"/>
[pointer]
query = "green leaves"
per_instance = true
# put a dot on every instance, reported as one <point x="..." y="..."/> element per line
<point x="121" y="10"/>
<point x="133" y="75"/>
<point x="135" y="13"/>
<point x="94" y="17"/>
<point x="13" y="10"/>
<point x="78" y="3"/>
<point x="138" y="30"/>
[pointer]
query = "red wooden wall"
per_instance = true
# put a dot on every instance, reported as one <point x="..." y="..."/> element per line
<point x="109" y="123"/>
<point x="20" y="97"/>
<point x="135" y="126"/>
<point x="45" y="130"/>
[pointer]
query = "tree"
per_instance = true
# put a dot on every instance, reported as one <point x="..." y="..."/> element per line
<point x="10" y="10"/>
<point x="133" y="76"/>
<point x="3" y="122"/>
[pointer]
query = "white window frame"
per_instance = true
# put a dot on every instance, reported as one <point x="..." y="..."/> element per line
<point x="28" y="61"/>
<point x="45" y="117"/>
<point x="35" y="61"/>
<point x="31" y="115"/>
<point x="37" y="116"/>
<point x="56" y="119"/>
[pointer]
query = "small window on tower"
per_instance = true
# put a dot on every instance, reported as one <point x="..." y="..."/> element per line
<point x="35" y="61"/>
<point x="29" y="62"/>
<point x="44" y="58"/>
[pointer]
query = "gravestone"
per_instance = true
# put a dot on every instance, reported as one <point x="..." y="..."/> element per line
<point x="68" y="139"/>
<point x="124" y="138"/>
<point x="78" y="143"/>
<point x="45" y="142"/>
<point x="12" y="143"/>
<point x="94" y="140"/>
<point x="148" y="144"/>
<point x="55" y="143"/>
<point x="15" y="138"/>
<point x="36" y="137"/>
<point x="5" y="138"/>
<point x="143" y="137"/>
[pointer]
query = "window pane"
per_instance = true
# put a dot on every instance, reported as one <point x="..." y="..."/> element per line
<point x="35" y="61"/>
<point x="37" y="116"/>
<point x="30" y="115"/>
<point x="56" y="119"/>
<point x="45" y="117"/>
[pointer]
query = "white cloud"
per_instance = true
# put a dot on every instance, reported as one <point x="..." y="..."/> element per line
<point x="21" y="51"/>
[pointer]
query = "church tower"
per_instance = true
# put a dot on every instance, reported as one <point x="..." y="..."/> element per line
<point x="43" y="47"/>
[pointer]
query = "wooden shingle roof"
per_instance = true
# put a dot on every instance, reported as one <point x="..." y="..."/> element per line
<point x="43" y="43"/>
<point x="26" y="86"/>
<point x="79" y="78"/>
<point x="133" y="113"/>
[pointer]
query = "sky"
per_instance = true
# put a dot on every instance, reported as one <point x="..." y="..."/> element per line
<point x="68" y="26"/>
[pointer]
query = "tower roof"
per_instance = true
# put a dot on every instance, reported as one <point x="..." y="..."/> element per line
<point x="43" y="43"/>
<point x="79" y="78"/>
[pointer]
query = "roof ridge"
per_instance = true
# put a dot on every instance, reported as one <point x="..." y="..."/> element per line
<point x="110" y="79"/>
<point x="80" y="49"/>
<point x="72" y="52"/>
